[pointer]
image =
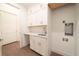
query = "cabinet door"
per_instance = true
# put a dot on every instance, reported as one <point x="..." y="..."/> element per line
<point x="35" y="19"/>
<point x="44" y="16"/>
<point x="38" y="17"/>
<point x="33" y="43"/>
<point x="42" y="46"/>
<point x="39" y="45"/>
<point x="29" y="20"/>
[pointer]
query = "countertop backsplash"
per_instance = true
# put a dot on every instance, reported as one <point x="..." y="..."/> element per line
<point x="38" y="29"/>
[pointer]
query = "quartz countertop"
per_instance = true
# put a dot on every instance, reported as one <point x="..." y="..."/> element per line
<point x="35" y="34"/>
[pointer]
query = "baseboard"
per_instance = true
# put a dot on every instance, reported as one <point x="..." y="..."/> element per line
<point x="60" y="52"/>
<point x="36" y="52"/>
<point x="10" y="43"/>
<point x="55" y="54"/>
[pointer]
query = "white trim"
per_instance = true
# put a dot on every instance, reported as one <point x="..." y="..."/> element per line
<point x="12" y="5"/>
<point x="8" y="12"/>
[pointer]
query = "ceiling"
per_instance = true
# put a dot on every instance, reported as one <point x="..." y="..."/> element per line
<point x="27" y="5"/>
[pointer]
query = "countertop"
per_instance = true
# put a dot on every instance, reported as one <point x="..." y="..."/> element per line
<point x="34" y="34"/>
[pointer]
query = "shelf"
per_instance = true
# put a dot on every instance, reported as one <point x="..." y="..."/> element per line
<point x="36" y="25"/>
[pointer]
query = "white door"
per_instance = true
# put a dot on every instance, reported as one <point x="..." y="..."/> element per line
<point x="8" y="21"/>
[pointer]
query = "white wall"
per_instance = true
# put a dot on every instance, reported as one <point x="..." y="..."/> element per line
<point x="77" y="29"/>
<point x="49" y="30"/>
<point x="23" y="28"/>
<point x="23" y="21"/>
<point x="66" y="13"/>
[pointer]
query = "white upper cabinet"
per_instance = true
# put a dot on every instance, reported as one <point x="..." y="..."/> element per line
<point x="37" y="15"/>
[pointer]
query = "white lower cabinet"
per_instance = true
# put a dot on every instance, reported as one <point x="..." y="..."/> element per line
<point x="39" y="45"/>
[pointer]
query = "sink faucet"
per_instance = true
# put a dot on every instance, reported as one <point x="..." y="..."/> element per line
<point x="44" y="30"/>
